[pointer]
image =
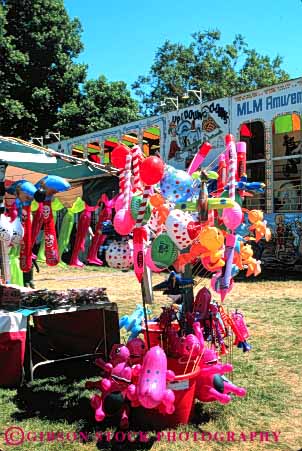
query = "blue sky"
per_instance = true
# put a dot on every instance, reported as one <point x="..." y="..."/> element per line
<point x="121" y="36"/>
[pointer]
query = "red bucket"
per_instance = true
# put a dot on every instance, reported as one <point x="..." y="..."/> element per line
<point x="184" y="390"/>
<point x="156" y="333"/>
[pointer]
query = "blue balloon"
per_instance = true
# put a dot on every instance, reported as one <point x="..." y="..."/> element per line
<point x="176" y="185"/>
<point x="24" y="186"/>
<point x="54" y="182"/>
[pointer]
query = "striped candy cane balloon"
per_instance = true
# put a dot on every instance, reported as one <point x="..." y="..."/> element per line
<point x="127" y="182"/>
<point x="136" y="156"/>
<point x="121" y="180"/>
<point x="143" y="206"/>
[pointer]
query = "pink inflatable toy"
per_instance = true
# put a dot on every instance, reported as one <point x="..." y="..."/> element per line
<point x="119" y="354"/>
<point x="99" y="238"/>
<point x="113" y="387"/>
<point x="212" y="385"/>
<point x="137" y="349"/>
<point x="189" y="346"/>
<point x="151" y="389"/>
<point x="120" y="201"/>
<point x="232" y="217"/>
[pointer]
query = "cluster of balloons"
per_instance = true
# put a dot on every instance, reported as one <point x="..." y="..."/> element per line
<point x="173" y="219"/>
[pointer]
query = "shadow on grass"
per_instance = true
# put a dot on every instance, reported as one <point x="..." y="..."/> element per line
<point x="63" y="398"/>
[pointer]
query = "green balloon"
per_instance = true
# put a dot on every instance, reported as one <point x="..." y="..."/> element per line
<point x="135" y="204"/>
<point x="163" y="251"/>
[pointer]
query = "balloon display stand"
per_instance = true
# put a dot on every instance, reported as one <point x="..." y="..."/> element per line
<point x="183" y="387"/>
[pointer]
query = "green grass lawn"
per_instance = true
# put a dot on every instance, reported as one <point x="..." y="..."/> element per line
<point x="271" y="373"/>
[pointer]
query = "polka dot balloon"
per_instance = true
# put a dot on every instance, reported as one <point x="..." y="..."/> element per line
<point x="119" y="255"/>
<point x="176" y="185"/>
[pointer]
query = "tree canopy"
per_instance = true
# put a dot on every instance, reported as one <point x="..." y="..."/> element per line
<point x="218" y="70"/>
<point x="42" y="88"/>
<point x="100" y="105"/>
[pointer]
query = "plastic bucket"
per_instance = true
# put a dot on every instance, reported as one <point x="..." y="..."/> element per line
<point x="184" y="390"/>
<point x="156" y="333"/>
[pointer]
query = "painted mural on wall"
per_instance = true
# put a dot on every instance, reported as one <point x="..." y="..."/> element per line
<point x="189" y="128"/>
<point x="284" y="251"/>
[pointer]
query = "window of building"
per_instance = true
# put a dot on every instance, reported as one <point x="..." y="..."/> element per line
<point x="287" y="163"/>
<point x="94" y="152"/>
<point x="252" y="133"/>
<point x="151" y="140"/>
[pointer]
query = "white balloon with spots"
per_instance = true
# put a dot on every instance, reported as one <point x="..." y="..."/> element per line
<point x="119" y="255"/>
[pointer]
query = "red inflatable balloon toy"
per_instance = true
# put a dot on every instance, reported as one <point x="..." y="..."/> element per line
<point x="152" y="170"/>
<point x="118" y="156"/>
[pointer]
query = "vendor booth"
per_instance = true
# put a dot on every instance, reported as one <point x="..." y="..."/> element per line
<point x="163" y="218"/>
<point x="39" y="327"/>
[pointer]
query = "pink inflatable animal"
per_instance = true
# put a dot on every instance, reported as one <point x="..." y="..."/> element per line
<point x="112" y="401"/>
<point x="191" y="345"/>
<point x="212" y="385"/>
<point x="114" y="387"/>
<point x="151" y="389"/>
<point x="119" y="353"/>
<point x="137" y="349"/>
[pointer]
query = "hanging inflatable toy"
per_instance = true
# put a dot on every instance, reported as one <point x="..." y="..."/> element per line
<point x="67" y="225"/>
<point x="135" y="204"/>
<point x="51" y="184"/>
<point x="232" y="218"/>
<point x="82" y="230"/>
<point x="222" y="174"/>
<point x="119" y="255"/>
<point x="99" y="238"/>
<point x="184" y="259"/>
<point x="150" y="263"/>
<point x="56" y="205"/>
<point x="241" y="159"/>
<point x="181" y="228"/>
<point x="24" y="192"/>
<point x="160" y="208"/>
<point x="176" y="185"/>
<point x="151" y="172"/>
<point x="258" y="226"/>
<point x="246" y="260"/>
<point x="163" y="251"/>
<point x="123" y="221"/>
<point x="212" y="240"/>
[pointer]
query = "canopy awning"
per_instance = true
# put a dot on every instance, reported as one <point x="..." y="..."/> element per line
<point x="22" y="154"/>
